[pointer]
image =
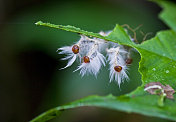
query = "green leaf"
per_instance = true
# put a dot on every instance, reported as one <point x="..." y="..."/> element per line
<point x="70" y="29"/>
<point x="158" y="64"/>
<point x="143" y="104"/>
<point x="168" y="14"/>
<point x="158" y="59"/>
<point x="117" y="35"/>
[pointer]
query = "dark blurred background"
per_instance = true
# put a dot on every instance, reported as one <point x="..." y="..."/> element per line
<point x="30" y="79"/>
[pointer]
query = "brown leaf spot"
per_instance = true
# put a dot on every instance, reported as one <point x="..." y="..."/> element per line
<point x="167" y="89"/>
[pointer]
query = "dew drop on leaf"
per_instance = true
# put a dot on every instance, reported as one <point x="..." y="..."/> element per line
<point x="167" y="71"/>
<point x="154" y="69"/>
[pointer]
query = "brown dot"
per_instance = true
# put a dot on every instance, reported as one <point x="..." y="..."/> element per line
<point x="75" y="49"/>
<point x="118" y="68"/>
<point x="86" y="59"/>
<point x="129" y="61"/>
